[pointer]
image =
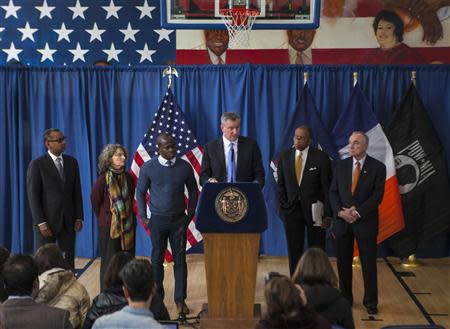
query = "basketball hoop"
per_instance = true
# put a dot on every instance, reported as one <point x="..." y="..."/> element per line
<point x="239" y="22"/>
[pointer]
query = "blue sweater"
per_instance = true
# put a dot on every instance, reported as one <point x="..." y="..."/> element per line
<point x="166" y="187"/>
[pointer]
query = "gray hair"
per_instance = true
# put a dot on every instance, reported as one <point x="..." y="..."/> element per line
<point x="48" y="132"/>
<point x="363" y="134"/>
<point x="229" y="116"/>
<point x="104" y="159"/>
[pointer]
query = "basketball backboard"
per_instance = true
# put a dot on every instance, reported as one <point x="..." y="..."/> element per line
<point x="273" y="14"/>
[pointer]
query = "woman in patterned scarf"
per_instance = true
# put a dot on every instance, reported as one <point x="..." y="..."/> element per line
<point x="112" y="201"/>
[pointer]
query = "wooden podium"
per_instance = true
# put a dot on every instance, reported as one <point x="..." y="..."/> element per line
<point x="231" y="256"/>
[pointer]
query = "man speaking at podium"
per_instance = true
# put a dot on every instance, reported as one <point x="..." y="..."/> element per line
<point x="232" y="158"/>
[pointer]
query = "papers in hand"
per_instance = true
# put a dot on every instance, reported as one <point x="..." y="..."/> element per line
<point x="317" y="212"/>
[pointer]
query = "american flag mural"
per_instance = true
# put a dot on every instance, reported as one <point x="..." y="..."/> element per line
<point x="81" y="32"/>
<point x="170" y="119"/>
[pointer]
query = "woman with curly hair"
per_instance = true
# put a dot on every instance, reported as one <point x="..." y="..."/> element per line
<point x="112" y="201"/>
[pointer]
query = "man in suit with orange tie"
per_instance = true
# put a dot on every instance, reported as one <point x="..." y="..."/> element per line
<point x="356" y="191"/>
<point x="304" y="176"/>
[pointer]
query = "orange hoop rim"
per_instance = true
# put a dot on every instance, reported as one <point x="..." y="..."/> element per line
<point x="240" y="11"/>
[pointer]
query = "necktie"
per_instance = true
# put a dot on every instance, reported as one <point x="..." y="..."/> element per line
<point x="298" y="167"/>
<point x="60" y="168"/>
<point x="298" y="58"/>
<point x="169" y="163"/>
<point x="355" y="177"/>
<point x="231" y="164"/>
<point x="220" y="60"/>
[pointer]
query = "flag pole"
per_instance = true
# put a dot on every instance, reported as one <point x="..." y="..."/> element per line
<point x="170" y="71"/>
<point x="413" y="77"/>
<point x="356" y="261"/>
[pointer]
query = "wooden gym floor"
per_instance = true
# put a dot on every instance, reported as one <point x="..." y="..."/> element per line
<point x="406" y="296"/>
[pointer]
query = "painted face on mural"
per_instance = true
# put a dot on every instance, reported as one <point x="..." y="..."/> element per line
<point x="217" y="41"/>
<point x="385" y="35"/>
<point x="301" y="40"/>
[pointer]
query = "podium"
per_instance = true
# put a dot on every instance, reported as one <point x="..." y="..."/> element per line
<point x="231" y="217"/>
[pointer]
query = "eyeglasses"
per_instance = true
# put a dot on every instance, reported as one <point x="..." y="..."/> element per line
<point x="59" y="140"/>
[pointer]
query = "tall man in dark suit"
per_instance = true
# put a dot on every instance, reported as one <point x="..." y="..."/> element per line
<point x="54" y="195"/>
<point x="356" y="191"/>
<point x="20" y="275"/>
<point x="232" y="158"/>
<point x="304" y="176"/>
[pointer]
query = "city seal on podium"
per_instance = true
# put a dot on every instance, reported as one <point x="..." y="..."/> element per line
<point x="231" y="205"/>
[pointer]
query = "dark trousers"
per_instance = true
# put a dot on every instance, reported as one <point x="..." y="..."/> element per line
<point x="294" y="226"/>
<point x="368" y="255"/>
<point x="65" y="240"/>
<point x="172" y="229"/>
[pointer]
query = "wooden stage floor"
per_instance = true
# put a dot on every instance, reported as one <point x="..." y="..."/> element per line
<point x="406" y="296"/>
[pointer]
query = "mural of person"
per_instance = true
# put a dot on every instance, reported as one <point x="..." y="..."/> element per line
<point x="389" y="30"/>
<point x="217" y="44"/>
<point x="299" y="48"/>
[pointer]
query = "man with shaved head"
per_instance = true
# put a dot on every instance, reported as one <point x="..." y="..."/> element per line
<point x="165" y="177"/>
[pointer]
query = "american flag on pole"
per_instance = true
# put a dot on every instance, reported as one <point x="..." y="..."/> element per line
<point x="170" y="119"/>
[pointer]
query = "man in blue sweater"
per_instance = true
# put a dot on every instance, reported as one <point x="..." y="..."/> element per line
<point x="165" y="177"/>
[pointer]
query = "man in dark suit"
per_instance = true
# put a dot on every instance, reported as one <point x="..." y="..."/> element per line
<point x="232" y="158"/>
<point x="356" y="191"/>
<point x="304" y="176"/>
<point x="54" y="195"/>
<point x="20" y="310"/>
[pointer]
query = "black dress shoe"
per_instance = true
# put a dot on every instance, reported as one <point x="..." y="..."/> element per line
<point x="182" y="308"/>
<point x="372" y="310"/>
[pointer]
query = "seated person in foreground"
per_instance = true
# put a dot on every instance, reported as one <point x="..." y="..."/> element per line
<point x="20" y="276"/>
<point x="317" y="278"/>
<point x="138" y="288"/>
<point x="286" y="307"/>
<point x="112" y="298"/>
<point x="4" y="255"/>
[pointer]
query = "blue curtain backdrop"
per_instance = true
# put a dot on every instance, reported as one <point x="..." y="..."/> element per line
<point x="96" y="106"/>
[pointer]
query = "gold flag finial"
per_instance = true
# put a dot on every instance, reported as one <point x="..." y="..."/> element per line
<point x="413" y="77"/>
<point x="355" y="78"/>
<point x="305" y="77"/>
<point x="170" y="71"/>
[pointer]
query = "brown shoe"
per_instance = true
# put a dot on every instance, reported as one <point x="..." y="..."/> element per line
<point x="182" y="308"/>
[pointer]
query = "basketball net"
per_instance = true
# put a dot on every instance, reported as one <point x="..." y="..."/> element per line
<point x="239" y="22"/>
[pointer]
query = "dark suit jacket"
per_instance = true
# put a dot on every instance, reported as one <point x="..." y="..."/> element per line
<point x="368" y="195"/>
<point x="249" y="166"/>
<point x="26" y="313"/>
<point x="315" y="183"/>
<point x="51" y="199"/>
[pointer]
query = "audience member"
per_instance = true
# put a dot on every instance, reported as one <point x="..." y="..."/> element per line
<point x="112" y="298"/>
<point x="4" y="255"/>
<point x="317" y="278"/>
<point x="286" y="307"/>
<point x="138" y="288"/>
<point x="58" y="286"/>
<point x="112" y="202"/>
<point x="20" y="274"/>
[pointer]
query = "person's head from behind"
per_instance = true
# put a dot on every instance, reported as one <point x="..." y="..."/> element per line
<point x="300" y="40"/>
<point x="283" y="297"/>
<point x="137" y="279"/>
<point x="49" y="256"/>
<point x="20" y="275"/>
<point x="4" y="255"/>
<point x="388" y="29"/>
<point x="230" y="124"/>
<point x="217" y="41"/>
<point x="117" y="263"/>
<point x="314" y="268"/>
